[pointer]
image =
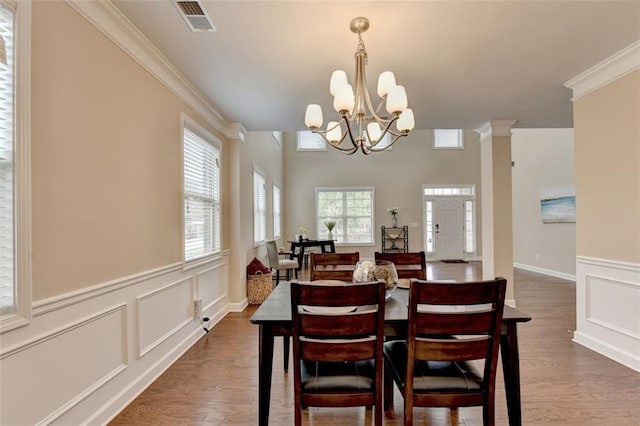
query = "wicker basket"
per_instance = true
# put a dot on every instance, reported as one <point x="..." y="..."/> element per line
<point x="259" y="287"/>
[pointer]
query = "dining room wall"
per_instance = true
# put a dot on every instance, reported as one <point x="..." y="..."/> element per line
<point x="112" y="301"/>
<point x="543" y="160"/>
<point x="397" y="176"/>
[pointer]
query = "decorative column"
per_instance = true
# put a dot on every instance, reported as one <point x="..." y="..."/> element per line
<point x="497" y="222"/>
<point x="236" y="290"/>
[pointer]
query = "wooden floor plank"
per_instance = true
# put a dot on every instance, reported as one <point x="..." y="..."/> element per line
<point x="563" y="383"/>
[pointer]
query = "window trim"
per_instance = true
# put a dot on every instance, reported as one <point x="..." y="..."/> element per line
<point x="263" y="234"/>
<point x="274" y="185"/>
<point x="190" y="124"/>
<point x="344" y="189"/>
<point x="460" y="140"/>
<point x="303" y="149"/>
<point x="21" y="315"/>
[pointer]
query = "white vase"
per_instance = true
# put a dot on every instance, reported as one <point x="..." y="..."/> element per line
<point x="394" y="221"/>
<point x="330" y="237"/>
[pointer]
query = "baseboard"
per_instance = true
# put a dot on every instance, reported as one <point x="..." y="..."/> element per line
<point x="543" y="271"/>
<point x="238" y="307"/>
<point x="627" y="359"/>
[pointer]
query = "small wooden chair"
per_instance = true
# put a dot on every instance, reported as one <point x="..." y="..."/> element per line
<point x="450" y="324"/>
<point x="408" y="265"/>
<point x="338" y="333"/>
<point x="333" y="266"/>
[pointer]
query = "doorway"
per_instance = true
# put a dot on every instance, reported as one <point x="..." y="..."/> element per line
<point x="449" y="221"/>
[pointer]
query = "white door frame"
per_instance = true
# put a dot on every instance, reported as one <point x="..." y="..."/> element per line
<point x="466" y="192"/>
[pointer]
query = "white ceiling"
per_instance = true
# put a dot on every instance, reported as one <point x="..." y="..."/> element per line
<point x="462" y="63"/>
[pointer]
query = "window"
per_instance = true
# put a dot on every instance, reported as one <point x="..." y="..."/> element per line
<point x="15" y="286"/>
<point x="351" y="209"/>
<point x="277" y="217"/>
<point x="259" y="208"/>
<point x="201" y="195"/>
<point x="448" y="139"/>
<point x="470" y="244"/>
<point x="309" y="141"/>
<point x="429" y="226"/>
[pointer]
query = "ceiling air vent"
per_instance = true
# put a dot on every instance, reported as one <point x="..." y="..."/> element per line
<point x="195" y="16"/>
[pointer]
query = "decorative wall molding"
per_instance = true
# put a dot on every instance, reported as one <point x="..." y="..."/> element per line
<point x="54" y="303"/>
<point x="172" y="293"/>
<point x="611" y="69"/>
<point x="104" y="365"/>
<point x="607" y="306"/>
<point x="551" y="273"/>
<point x="495" y="128"/>
<point x="118" y="28"/>
<point x="92" y="330"/>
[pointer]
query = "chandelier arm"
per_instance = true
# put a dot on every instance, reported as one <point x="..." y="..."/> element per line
<point x="336" y="145"/>
<point x="387" y="129"/>
<point x="395" y="139"/>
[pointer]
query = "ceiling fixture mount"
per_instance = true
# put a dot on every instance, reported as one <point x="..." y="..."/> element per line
<point x="365" y="126"/>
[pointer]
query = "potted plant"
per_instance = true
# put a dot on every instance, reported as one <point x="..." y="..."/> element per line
<point x="394" y="216"/>
<point x="330" y="224"/>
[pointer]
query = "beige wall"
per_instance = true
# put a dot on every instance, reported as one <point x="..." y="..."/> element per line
<point x="106" y="155"/>
<point x="397" y="176"/>
<point x="607" y="154"/>
<point x="544" y="159"/>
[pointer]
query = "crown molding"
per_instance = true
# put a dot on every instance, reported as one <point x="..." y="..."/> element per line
<point x="118" y="28"/>
<point x="614" y="67"/>
<point x="495" y="128"/>
<point x="236" y="131"/>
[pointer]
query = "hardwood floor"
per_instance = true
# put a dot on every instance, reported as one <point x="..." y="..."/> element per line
<point x="216" y="381"/>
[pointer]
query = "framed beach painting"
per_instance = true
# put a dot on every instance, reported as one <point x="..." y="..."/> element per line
<point x="558" y="204"/>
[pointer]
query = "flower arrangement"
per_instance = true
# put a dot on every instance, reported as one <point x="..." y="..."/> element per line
<point x="393" y="210"/>
<point x="330" y="224"/>
<point x="303" y="230"/>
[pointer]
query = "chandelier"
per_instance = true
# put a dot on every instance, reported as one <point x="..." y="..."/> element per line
<point x="364" y="126"/>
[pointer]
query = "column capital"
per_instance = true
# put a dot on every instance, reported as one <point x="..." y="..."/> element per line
<point x="495" y="128"/>
<point x="236" y="131"/>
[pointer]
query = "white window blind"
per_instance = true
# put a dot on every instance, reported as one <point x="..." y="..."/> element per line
<point x="351" y="209"/>
<point x="7" y="167"/>
<point x="259" y="208"/>
<point x="277" y="217"/>
<point x="201" y="197"/>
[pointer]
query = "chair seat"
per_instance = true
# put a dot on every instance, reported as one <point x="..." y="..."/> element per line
<point x="338" y="375"/>
<point x="431" y="375"/>
<point x="287" y="264"/>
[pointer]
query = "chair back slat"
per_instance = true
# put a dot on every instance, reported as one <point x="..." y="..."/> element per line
<point x="350" y="324"/>
<point x="452" y="350"/>
<point x="332" y="266"/>
<point x="324" y="294"/>
<point x="408" y="265"/>
<point x="463" y="323"/>
<point x="337" y="352"/>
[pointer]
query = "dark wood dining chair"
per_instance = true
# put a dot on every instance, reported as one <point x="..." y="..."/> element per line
<point x="451" y="324"/>
<point x="338" y="333"/>
<point x="333" y="266"/>
<point x="408" y="265"/>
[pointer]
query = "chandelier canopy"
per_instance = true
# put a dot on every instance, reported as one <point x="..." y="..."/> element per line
<point x="364" y="125"/>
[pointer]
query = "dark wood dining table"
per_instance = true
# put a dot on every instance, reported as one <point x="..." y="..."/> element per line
<point x="274" y="319"/>
<point x="326" y="246"/>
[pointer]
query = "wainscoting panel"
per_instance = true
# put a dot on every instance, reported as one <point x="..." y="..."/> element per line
<point x="85" y="355"/>
<point x="51" y="378"/>
<point x="607" y="306"/>
<point x="156" y="323"/>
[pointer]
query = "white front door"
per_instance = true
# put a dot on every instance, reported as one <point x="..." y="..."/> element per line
<point x="448" y="228"/>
